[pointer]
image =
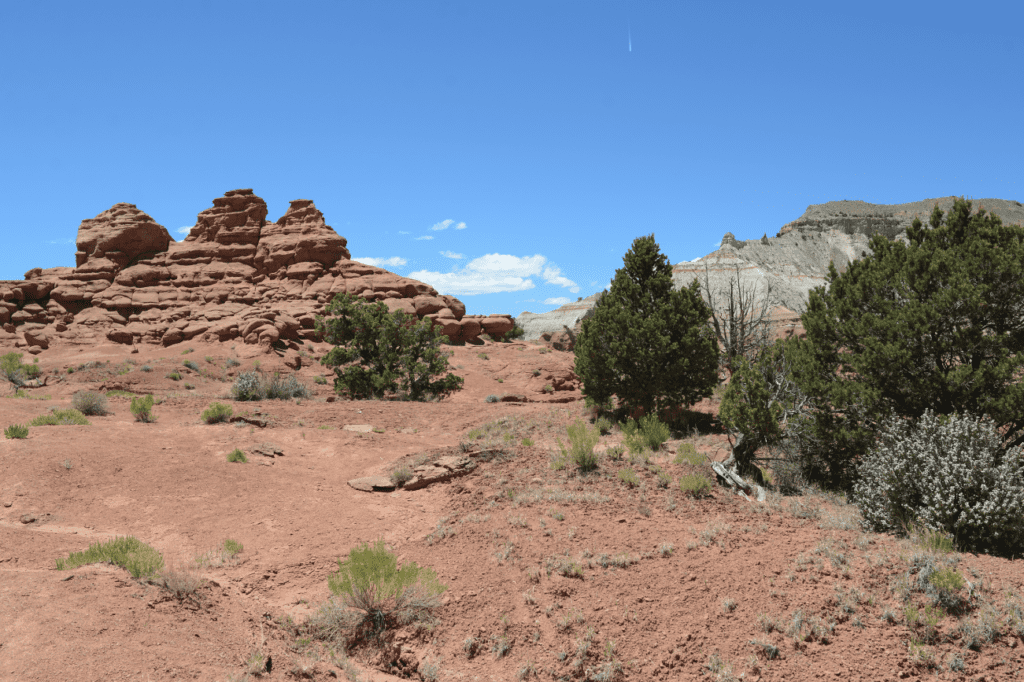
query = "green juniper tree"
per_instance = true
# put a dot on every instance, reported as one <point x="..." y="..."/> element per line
<point x="377" y="352"/>
<point x="647" y="344"/>
<point x="936" y="324"/>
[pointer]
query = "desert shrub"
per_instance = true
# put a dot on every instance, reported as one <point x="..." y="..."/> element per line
<point x="581" y="446"/>
<point x="232" y="547"/>
<point x="11" y="368"/>
<point x="142" y="409"/>
<point x="237" y="455"/>
<point x="949" y="473"/>
<point x="130" y="553"/>
<point x="615" y="452"/>
<point x="686" y="453"/>
<point x="604" y="425"/>
<point x="629" y="477"/>
<point x="929" y="323"/>
<point x="217" y="412"/>
<point x="548" y="388"/>
<point x="70" y="417"/>
<point x="401" y="476"/>
<point x="650" y="433"/>
<point x="320" y="380"/>
<point x="16" y="431"/>
<point x="247" y="386"/>
<point x="276" y="388"/>
<point x="647" y="343"/>
<point x="370" y="581"/>
<point x="536" y="372"/>
<point x="516" y="333"/>
<point x="492" y="398"/>
<point x="377" y="353"/>
<point x="174" y="376"/>
<point x="144" y="368"/>
<point x="191" y="364"/>
<point x="231" y="362"/>
<point x="90" y="402"/>
<point x="696" y="485"/>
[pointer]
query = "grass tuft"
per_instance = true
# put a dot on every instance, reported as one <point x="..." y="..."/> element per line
<point x="130" y="553"/>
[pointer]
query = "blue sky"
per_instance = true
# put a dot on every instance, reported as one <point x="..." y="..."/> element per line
<point x="507" y="153"/>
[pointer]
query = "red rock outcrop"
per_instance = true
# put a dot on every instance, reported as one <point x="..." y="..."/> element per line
<point x="235" y="276"/>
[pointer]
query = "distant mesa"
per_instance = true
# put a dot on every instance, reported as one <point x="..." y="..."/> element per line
<point x="235" y="277"/>
<point x="795" y="261"/>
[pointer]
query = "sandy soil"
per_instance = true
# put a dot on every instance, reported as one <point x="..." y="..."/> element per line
<point x="672" y="587"/>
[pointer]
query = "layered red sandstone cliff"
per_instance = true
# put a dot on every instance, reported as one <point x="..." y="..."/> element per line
<point x="236" y="276"/>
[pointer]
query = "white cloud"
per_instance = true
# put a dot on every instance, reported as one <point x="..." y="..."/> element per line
<point x="553" y="275"/>
<point x="184" y="230"/>
<point x="402" y="232"/>
<point x="445" y="224"/>
<point x="424" y="237"/>
<point x="561" y="300"/>
<point x="449" y="254"/>
<point x="395" y="261"/>
<point x="493" y="273"/>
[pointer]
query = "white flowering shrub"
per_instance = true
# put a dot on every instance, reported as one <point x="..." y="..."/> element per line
<point x="950" y="474"/>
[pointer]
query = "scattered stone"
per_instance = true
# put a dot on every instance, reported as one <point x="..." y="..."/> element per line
<point x="373" y="484"/>
<point x="444" y="469"/>
<point x="358" y="428"/>
<point x="267" y="450"/>
<point x="29" y="518"/>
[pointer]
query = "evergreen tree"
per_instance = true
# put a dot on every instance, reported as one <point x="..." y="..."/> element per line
<point x="934" y="324"/>
<point x="647" y="344"/>
<point x="378" y="353"/>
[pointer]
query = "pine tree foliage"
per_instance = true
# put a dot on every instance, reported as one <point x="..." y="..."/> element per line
<point x="378" y="353"/>
<point x="933" y="324"/>
<point x="647" y="344"/>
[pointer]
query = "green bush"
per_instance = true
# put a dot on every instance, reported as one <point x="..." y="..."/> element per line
<point x="16" y="431"/>
<point x="581" y="446"/>
<point x="90" y="402"/>
<point x="277" y="388"/>
<point x="70" y="417"/>
<point x="646" y="343"/>
<point x="376" y="353"/>
<point x="144" y="368"/>
<point x="492" y="398"/>
<point x="217" y="412"/>
<point x="11" y="368"/>
<point x="231" y="362"/>
<point x="650" y="433"/>
<point x="131" y="554"/>
<point x="142" y="409"/>
<point x="320" y="380"/>
<point x="174" y="376"/>
<point x="258" y="386"/>
<point x="947" y="473"/>
<point x="687" y="454"/>
<point x="191" y="364"/>
<point x="629" y="477"/>
<point x="232" y="547"/>
<point x="516" y="333"/>
<point x="388" y="597"/>
<point x="696" y="485"/>
<point x="237" y="455"/>
<point x="604" y="425"/>
<point x="930" y="323"/>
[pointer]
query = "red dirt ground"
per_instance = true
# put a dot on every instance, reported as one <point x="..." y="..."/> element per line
<point x="640" y="611"/>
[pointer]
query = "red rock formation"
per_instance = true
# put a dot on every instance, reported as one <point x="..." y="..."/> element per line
<point x="234" y="277"/>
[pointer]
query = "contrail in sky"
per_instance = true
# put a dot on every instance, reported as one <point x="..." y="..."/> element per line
<point x="630" y="30"/>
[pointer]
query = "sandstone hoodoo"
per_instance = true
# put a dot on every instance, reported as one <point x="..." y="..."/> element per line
<point x="235" y="277"/>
